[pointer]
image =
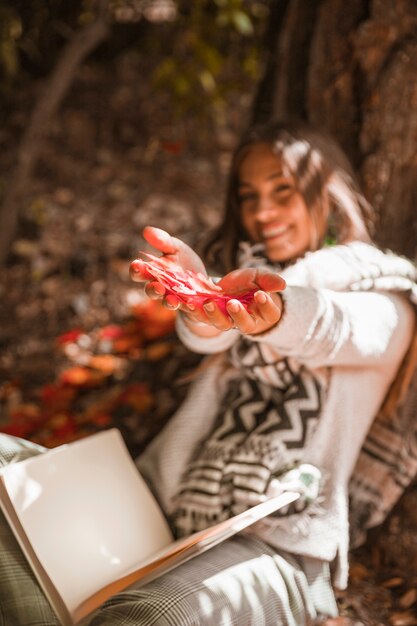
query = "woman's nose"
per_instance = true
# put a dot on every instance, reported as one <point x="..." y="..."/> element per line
<point x="266" y="209"/>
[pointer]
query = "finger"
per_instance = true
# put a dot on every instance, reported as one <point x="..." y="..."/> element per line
<point x="216" y="317"/>
<point x="172" y="302"/>
<point x="252" y="278"/>
<point x="155" y="290"/>
<point x="195" y="313"/>
<point x="197" y="316"/>
<point x="269" y="281"/>
<point x="160" y="239"/>
<point x="269" y="308"/>
<point x="242" y="319"/>
<point x="138" y="271"/>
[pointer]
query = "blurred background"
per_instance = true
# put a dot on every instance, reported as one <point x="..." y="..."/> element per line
<point x="114" y="115"/>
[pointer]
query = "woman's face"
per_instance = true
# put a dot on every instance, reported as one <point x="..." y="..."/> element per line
<point x="273" y="212"/>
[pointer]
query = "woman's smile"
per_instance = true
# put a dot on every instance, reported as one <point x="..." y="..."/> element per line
<point x="272" y="210"/>
<point x="274" y="231"/>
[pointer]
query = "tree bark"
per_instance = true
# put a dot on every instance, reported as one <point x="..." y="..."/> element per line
<point x="54" y="91"/>
<point x="350" y="68"/>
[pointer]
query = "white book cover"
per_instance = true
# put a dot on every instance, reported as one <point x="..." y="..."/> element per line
<point x="90" y="526"/>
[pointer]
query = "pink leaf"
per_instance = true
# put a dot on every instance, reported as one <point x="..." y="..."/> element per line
<point x="190" y="287"/>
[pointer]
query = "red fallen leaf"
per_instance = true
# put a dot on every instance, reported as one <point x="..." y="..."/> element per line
<point x="63" y="426"/>
<point x="106" y="363"/>
<point x="189" y="287"/>
<point x="69" y="337"/>
<point x="81" y="377"/>
<point x="110" y="332"/>
<point x="127" y="344"/>
<point x="173" y="147"/>
<point x="56" y="397"/>
<point x="137" y="396"/>
<point x="157" y="351"/>
<point x="101" y="419"/>
<point x="20" y="429"/>
<point x="28" y="412"/>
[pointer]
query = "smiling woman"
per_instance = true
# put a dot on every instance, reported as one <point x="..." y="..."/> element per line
<point x="299" y="376"/>
<point x="295" y="378"/>
<point x="272" y="209"/>
<point x="306" y="168"/>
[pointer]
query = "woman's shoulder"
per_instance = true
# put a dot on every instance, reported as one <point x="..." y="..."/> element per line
<point x="352" y="265"/>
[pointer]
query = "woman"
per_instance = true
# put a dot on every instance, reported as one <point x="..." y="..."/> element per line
<point x="294" y="381"/>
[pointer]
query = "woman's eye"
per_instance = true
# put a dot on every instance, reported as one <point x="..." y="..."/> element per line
<point x="283" y="188"/>
<point x="246" y="198"/>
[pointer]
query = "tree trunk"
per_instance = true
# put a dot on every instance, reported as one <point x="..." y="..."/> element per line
<point x="350" y="67"/>
<point x="54" y="91"/>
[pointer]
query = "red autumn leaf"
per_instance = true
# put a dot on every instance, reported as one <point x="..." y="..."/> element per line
<point x="173" y="147"/>
<point x="188" y="286"/>
<point x="127" y="343"/>
<point x="137" y="396"/>
<point x="101" y="419"/>
<point x="111" y="332"/>
<point x="19" y="429"/>
<point x="81" y="377"/>
<point x="56" y="397"/>
<point x="158" y="350"/>
<point x="106" y="363"/>
<point x="69" y="337"/>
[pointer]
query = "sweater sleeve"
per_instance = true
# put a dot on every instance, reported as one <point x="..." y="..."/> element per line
<point x="323" y="328"/>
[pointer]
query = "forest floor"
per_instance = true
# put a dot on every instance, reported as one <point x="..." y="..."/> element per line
<point x="80" y="348"/>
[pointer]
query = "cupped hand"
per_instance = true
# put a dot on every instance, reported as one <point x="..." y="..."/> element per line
<point x="263" y="313"/>
<point x="173" y="250"/>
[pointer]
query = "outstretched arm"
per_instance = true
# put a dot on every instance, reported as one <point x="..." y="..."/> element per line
<point x="263" y="311"/>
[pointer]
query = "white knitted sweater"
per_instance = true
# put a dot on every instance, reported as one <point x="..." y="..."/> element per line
<point x="344" y="317"/>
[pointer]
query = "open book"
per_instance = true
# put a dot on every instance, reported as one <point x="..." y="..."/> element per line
<point x="90" y="527"/>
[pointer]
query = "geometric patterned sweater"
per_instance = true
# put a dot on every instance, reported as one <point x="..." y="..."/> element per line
<point x="306" y="391"/>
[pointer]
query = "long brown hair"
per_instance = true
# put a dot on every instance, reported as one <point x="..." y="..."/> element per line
<point x="322" y="175"/>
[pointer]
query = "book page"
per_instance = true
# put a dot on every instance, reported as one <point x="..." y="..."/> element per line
<point x="87" y="513"/>
<point x="185" y="549"/>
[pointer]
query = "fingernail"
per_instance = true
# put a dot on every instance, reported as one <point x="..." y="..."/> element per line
<point x="209" y="307"/>
<point x="136" y="266"/>
<point x="191" y="307"/>
<point x="260" y="297"/>
<point x="233" y="306"/>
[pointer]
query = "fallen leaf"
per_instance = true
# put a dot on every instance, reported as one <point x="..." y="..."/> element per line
<point x="81" y="377"/>
<point x="408" y="599"/>
<point x="106" y="363"/>
<point x="403" y="619"/>
<point x="56" y="397"/>
<point x="112" y="331"/>
<point x="391" y="583"/>
<point x="358" y="572"/>
<point x="158" y="351"/>
<point x="69" y="337"/>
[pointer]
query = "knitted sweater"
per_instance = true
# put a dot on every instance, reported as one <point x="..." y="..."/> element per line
<point x="347" y="322"/>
